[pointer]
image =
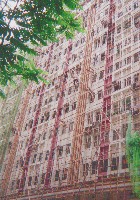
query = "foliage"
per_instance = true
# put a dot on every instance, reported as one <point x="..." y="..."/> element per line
<point x="133" y="157"/>
<point x="36" y="22"/>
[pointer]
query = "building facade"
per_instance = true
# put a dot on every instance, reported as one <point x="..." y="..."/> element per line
<point x="68" y="140"/>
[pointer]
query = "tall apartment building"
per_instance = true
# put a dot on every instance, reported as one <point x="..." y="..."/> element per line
<point x="68" y="139"/>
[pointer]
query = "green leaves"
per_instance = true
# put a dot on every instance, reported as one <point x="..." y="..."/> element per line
<point x="37" y="23"/>
<point x="133" y="157"/>
<point x="2" y="94"/>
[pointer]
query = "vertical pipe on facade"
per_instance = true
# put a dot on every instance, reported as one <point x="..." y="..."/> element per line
<point x="57" y="120"/>
<point x="76" y="156"/>
<point x="105" y="124"/>
<point x="32" y="136"/>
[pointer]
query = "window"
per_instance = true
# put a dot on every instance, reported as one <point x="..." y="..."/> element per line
<point x="117" y="85"/>
<point x="137" y="21"/>
<point x="94" y="167"/>
<point x="115" y="135"/>
<point x="104" y="165"/>
<point x="30" y="109"/>
<point x="117" y="65"/>
<point x="66" y="107"/>
<point x="30" y="123"/>
<point x="91" y="97"/>
<point x="106" y="137"/>
<point x="85" y="169"/>
<point x="124" y="162"/>
<point x="118" y="48"/>
<point x="103" y="56"/>
<point x="78" y="69"/>
<point x="126" y="104"/>
<point x="54" y="114"/>
<point x="50" y="133"/>
<point x="104" y="38"/>
<point x="34" y="158"/>
<point x="136" y="38"/>
<point x="68" y="148"/>
<point x="87" y="141"/>
<point x="56" y="175"/>
<point x="65" y="51"/>
<point x="26" y="125"/>
<point x="42" y="119"/>
<point x="47" y="155"/>
<point x="82" y="40"/>
<point x="101" y="74"/>
<point x="90" y="118"/>
<point x="12" y="185"/>
<point x="43" y="178"/>
<point x="127" y="24"/>
<point x="110" y="69"/>
<point x="21" y="161"/>
<point x="129" y="60"/>
<point x="17" y="184"/>
<point x="71" y="126"/>
<point x="106" y="11"/>
<point x="44" y="136"/>
<point x="93" y="78"/>
<point x="136" y="78"/>
<point x="99" y="94"/>
<point x="57" y="96"/>
<point x="64" y="174"/>
<point x="50" y="99"/>
<point x="64" y="128"/>
<point x="120" y="14"/>
<point x="136" y="5"/>
<point x="35" y="107"/>
<point x="36" y="180"/>
<point x="70" y="91"/>
<point x="74" y="56"/>
<point x="116" y="108"/>
<point x="30" y="181"/>
<point x="119" y="29"/>
<point x="17" y="164"/>
<point x="137" y="127"/>
<point x="124" y="129"/>
<point x="40" y="157"/>
<point x="127" y="81"/>
<point x="98" y="116"/>
<point x="74" y="106"/>
<point x="46" y="116"/>
<point x="60" y="150"/>
<point x="136" y="57"/>
<point x="96" y="140"/>
<point x="114" y="163"/>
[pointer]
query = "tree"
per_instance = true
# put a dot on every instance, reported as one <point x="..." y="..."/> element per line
<point x="37" y="22"/>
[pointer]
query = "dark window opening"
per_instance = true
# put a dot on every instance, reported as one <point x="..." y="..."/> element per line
<point x="34" y="158"/>
<point x="36" y="180"/>
<point x="40" y="157"/>
<point x="30" y="181"/>
<point x="60" y="150"/>
<point x="68" y="148"/>
<point x="124" y="162"/>
<point x="64" y="174"/>
<point x="85" y="169"/>
<point x="56" y="175"/>
<point x="47" y="155"/>
<point x="94" y="167"/>
<point x="104" y="165"/>
<point x="43" y="178"/>
<point x="114" y="163"/>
